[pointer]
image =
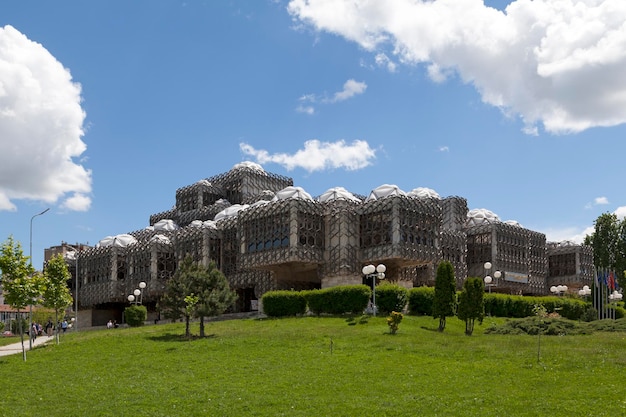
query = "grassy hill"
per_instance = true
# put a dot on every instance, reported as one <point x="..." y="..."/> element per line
<point x="317" y="367"/>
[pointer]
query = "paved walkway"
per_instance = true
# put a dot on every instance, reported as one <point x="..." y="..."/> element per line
<point x="17" y="347"/>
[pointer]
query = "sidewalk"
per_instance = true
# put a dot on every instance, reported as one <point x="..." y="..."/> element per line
<point x="17" y="347"/>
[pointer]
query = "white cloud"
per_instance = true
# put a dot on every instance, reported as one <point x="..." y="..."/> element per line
<point x="573" y="234"/>
<point x="77" y="202"/>
<point x="444" y="149"/>
<point x="351" y="88"/>
<point x="598" y="201"/>
<point x="556" y="64"/>
<point x="382" y="60"/>
<point x="318" y="156"/>
<point x="305" y="109"/>
<point x="601" y="201"/>
<point x="41" y="126"/>
<point x="620" y="212"/>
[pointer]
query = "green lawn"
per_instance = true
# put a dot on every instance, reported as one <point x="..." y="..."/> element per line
<point x="317" y="367"/>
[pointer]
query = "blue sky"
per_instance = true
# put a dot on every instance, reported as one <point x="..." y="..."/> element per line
<point x="106" y="108"/>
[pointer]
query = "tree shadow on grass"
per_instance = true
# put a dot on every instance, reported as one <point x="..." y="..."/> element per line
<point x="177" y="337"/>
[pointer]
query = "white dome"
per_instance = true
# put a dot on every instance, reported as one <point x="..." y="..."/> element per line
<point x="119" y="241"/>
<point x="160" y="239"/>
<point x="230" y="211"/>
<point x="196" y="223"/>
<point x="248" y="165"/>
<point x="292" y="192"/>
<point x="422" y="192"/>
<point x="337" y="193"/>
<point x="204" y="182"/>
<point x="165" y="225"/>
<point x="209" y="224"/>
<point x="477" y="217"/>
<point x="383" y="191"/>
<point x="513" y="223"/>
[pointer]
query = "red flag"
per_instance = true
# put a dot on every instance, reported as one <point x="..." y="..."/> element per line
<point x="611" y="281"/>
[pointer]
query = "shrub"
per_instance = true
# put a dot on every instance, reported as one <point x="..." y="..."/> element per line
<point x="393" y="321"/>
<point x="283" y="303"/>
<point x="351" y="299"/>
<point x="136" y="315"/>
<point x="421" y="301"/>
<point x="391" y="297"/>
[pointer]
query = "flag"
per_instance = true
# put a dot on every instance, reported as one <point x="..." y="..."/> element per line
<point x="611" y="281"/>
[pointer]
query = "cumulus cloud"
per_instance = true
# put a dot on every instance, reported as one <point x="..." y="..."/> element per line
<point x="556" y="64"/>
<point x="318" y="156"/>
<point x="621" y="212"/>
<point x="41" y="126"/>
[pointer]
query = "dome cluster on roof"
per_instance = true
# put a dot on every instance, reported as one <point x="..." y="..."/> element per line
<point x="476" y="217"/>
<point x="292" y="192"/>
<point x="119" y="241"/>
<point x="383" y="191"/>
<point x="248" y="165"/>
<point x="422" y="192"/>
<point x="337" y="193"/>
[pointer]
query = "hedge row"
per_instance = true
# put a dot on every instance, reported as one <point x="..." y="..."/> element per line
<point x="351" y="299"/>
<point x="354" y="299"/>
<point x="503" y="305"/>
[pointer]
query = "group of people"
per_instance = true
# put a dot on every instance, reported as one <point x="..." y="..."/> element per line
<point x="112" y="324"/>
<point x="36" y="329"/>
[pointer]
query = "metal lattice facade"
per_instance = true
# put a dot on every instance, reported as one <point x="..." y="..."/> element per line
<point x="263" y="234"/>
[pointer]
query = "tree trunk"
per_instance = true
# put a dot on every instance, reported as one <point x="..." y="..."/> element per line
<point x="469" y="327"/>
<point x="187" y="332"/>
<point x="56" y="318"/>
<point x="201" y="326"/>
<point x="19" y="324"/>
<point x="442" y="323"/>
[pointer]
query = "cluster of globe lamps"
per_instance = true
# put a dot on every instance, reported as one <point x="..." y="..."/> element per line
<point x="137" y="295"/>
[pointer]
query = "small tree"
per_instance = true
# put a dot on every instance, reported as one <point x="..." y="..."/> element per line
<point x="472" y="303"/>
<point x="214" y="294"/>
<point x="190" y="306"/>
<point x="172" y="304"/>
<point x="444" y="302"/>
<point x="20" y="284"/>
<point x="393" y="321"/>
<point x="56" y="294"/>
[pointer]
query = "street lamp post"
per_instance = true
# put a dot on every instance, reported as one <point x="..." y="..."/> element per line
<point x="488" y="280"/>
<point x="585" y="291"/>
<point x="30" y="307"/>
<point x="374" y="272"/>
<point x="137" y="296"/>
<point x="558" y="289"/>
<point x="615" y="297"/>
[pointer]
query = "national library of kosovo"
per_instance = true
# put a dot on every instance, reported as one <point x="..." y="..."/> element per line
<point x="264" y="234"/>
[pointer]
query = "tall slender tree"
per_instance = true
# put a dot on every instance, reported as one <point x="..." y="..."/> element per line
<point x="472" y="303"/>
<point x="56" y="294"/>
<point x="444" y="303"/>
<point x="608" y="241"/>
<point x="20" y="284"/>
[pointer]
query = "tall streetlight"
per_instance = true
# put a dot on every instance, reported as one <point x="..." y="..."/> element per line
<point x="137" y="296"/>
<point x="374" y="272"/>
<point x="488" y="280"/>
<point x="30" y="307"/>
<point x="615" y="297"/>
